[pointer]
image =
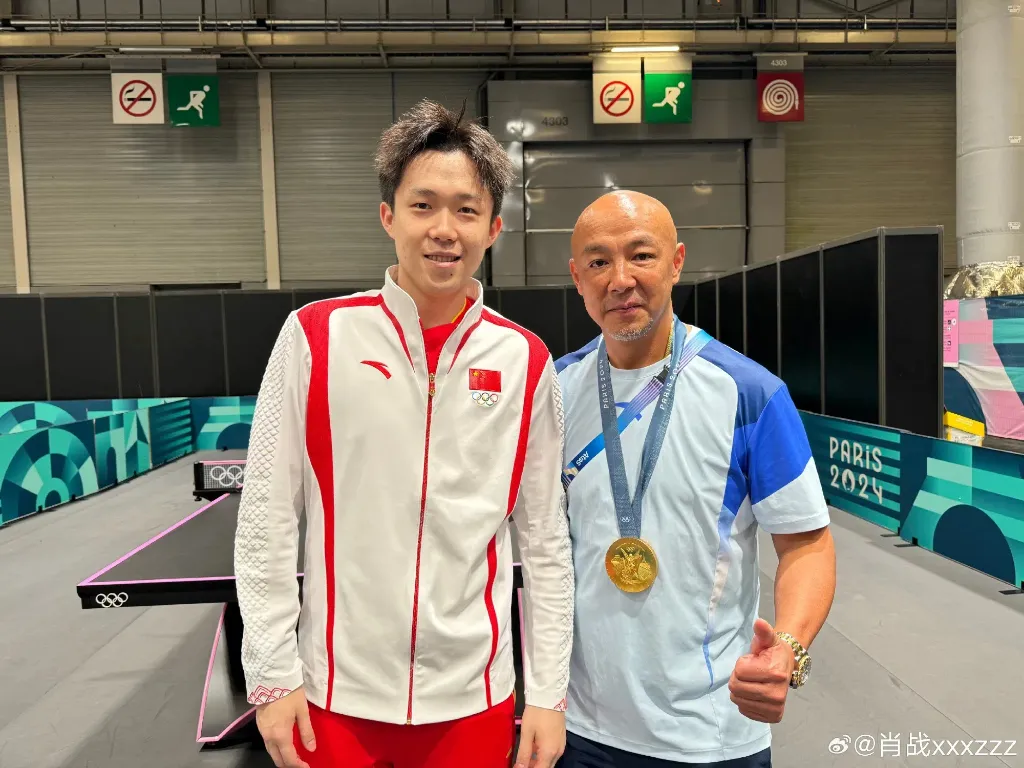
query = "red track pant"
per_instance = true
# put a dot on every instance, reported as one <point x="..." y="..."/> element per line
<point x="480" y="741"/>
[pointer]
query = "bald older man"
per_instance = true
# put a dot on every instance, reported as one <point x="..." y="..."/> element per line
<point x="677" y="449"/>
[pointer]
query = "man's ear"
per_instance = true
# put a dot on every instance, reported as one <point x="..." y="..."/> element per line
<point x="387" y="218"/>
<point x="575" y="275"/>
<point x="677" y="261"/>
<point x="496" y="226"/>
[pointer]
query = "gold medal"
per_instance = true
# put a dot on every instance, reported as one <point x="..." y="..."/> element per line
<point x="631" y="564"/>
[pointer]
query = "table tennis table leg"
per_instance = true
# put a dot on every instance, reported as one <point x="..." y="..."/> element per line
<point x="226" y="719"/>
<point x="233" y="636"/>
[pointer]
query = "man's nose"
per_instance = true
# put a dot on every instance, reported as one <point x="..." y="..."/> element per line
<point x="443" y="226"/>
<point x="622" y="277"/>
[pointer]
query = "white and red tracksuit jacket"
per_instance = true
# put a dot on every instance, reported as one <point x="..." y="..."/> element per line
<point x="407" y="479"/>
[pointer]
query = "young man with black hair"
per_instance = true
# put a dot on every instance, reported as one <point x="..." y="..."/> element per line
<point x="408" y="424"/>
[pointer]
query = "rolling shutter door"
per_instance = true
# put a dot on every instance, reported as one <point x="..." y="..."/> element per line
<point x="139" y="204"/>
<point x="876" y="148"/>
<point x="326" y="128"/>
<point x="450" y="89"/>
<point x="702" y="185"/>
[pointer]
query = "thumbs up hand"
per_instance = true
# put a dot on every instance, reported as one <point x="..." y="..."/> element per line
<point x="760" y="680"/>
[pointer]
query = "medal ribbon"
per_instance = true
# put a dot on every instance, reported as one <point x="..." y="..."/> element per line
<point x="629" y="513"/>
<point x="632" y="411"/>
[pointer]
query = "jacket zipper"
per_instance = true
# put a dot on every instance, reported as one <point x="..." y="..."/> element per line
<point x="431" y="392"/>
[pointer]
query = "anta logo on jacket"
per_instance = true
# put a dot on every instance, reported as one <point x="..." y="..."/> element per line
<point x="407" y="459"/>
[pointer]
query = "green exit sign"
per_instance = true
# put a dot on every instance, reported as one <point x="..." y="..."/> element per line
<point x="668" y="97"/>
<point x="193" y="100"/>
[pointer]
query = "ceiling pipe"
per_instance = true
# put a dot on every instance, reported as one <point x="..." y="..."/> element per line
<point x="469" y="25"/>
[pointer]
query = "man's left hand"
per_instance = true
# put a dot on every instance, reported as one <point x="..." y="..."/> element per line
<point x="541" y="738"/>
<point x="760" y="681"/>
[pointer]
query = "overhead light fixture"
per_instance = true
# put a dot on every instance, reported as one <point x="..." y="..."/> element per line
<point x="154" y="49"/>
<point x="645" y="49"/>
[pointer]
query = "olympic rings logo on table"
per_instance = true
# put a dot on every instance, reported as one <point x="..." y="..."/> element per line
<point x="229" y="476"/>
<point x="112" y="599"/>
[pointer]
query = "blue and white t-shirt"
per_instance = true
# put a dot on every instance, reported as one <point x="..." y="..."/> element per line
<point x="650" y="671"/>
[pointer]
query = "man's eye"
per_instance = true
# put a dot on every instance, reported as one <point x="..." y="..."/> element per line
<point x="644" y="255"/>
<point x="421" y="206"/>
<point x="467" y="209"/>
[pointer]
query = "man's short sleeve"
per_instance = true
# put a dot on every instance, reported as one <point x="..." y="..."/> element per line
<point x="785" y="490"/>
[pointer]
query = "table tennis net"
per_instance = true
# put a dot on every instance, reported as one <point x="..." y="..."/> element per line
<point x="221" y="475"/>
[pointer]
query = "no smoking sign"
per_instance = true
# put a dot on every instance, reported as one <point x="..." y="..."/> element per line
<point x="617" y="97"/>
<point x="137" y="97"/>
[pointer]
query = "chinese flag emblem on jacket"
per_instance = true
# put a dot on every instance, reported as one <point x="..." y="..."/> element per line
<point x="481" y="380"/>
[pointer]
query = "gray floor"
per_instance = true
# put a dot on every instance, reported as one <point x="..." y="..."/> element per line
<point x="914" y="644"/>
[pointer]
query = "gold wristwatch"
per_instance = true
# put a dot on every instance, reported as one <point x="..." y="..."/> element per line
<point x="802" y="670"/>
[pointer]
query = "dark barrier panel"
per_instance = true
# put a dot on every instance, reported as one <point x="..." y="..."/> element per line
<point x="81" y="347"/>
<point x="730" y="311"/>
<point x="763" y="316"/>
<point x="851" y="331"/>
<point x="541" y="310"/>
<point x="22" y="359"/>
<point x="190" y="344"/>
<point x="253" y="321"/>
<point x="800" y="305"/>
<point x="135" y="338"/>
<point x="579" y="328"/>
<point x="216" y="343"/>
<point x="684" y="303"/>
<point x="707" y="306"/>
<point x="913" y="329"/>
<point x="492" y="299"/>
<point x="304" y="296"/>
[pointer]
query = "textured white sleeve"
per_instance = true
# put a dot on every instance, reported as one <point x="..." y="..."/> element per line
<point x="542" y="528"/>
<point x="267" y="536"/>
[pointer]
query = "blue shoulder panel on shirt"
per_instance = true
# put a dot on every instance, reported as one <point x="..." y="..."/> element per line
<point x="777" y="448"/>
<point x="574" y="357"/>
<point x="755" y="383"/>
<point x="770" y="446"/>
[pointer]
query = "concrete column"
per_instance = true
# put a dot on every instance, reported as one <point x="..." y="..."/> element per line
<point x="990" y="127"/>
<point x="16" y="174"/>
<point x="268" y="174"/>
<point x="766" y="179"/>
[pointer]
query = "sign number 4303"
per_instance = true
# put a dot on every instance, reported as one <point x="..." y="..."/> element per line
<point x="855" y="482"/>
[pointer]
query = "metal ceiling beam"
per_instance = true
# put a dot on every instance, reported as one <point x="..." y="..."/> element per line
<point x="850" y="12"/>
<point x="885" y="4"/>
<point x="853" y="36"/>
<point x="205" y="25"/>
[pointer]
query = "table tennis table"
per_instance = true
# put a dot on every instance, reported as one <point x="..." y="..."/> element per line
<point x="192" y="562"/>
